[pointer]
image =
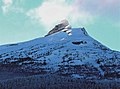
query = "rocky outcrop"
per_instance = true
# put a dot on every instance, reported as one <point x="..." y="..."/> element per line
<point x="64" y="24"/>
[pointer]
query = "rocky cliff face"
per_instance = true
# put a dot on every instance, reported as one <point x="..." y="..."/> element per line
<point x="64" y="24"/>
<point x="67" y="51"/>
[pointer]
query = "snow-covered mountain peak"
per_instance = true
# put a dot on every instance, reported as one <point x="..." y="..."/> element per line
<point x="73" y="34"/>
<point x="79" y="32"/>
<point x="65" y="27"/>
<point x="64" y="50"/>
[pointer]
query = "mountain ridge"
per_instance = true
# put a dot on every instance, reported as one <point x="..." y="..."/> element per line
<point x="69" y="51"/>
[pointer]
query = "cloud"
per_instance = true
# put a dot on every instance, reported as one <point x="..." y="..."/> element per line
<point x="78" y="12"/>
<point x="11" y="6"/>
<point x="103" y="8"/>
<point x="53" y="11"/>
<point x="50" y="11"/>
<point x="7" y="4"/>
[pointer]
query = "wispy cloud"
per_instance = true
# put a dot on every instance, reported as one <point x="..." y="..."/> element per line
<point x="52" y="11"/>
<point x="78" y="12"/>
<point x="10" y="6"/>
<point x="7" y="5"/>
<point x="102" y="8"/>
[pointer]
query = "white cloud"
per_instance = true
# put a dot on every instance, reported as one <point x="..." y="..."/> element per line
<point x="11" y="6"/>
<point x="52" y="11"/>
<point x="7" y="2"/>
<point x="6" y="6"/>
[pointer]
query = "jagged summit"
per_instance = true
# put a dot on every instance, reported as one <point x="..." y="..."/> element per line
<point x="65" y="27"/>
<point x="64" y="24"/>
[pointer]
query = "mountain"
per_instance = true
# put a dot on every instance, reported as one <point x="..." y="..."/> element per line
<point x="66" y="52"/>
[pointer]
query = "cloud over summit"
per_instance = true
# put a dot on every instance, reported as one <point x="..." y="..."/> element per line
<point x="52" y="11"/>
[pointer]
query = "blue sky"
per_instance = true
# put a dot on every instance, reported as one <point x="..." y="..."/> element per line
<point x="23" y="20"/>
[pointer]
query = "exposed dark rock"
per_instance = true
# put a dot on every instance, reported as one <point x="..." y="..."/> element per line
<point x="79" y="42"/>
<point x="63" y="24"/>
<point x="57" y="28"/>
<point x="84" y="31"/>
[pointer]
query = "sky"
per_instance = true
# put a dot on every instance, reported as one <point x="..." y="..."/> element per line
<point x="23" y="20"/>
